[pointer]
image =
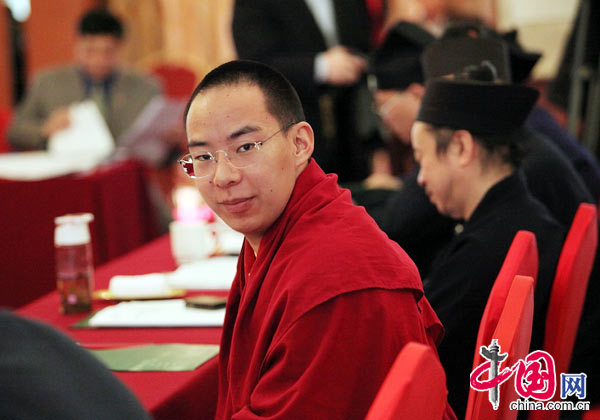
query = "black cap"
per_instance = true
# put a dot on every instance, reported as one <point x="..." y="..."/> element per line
<point x="521" y="62"/>
<point x="479" y="107"/>
<point x="397" y="62"/>
<point x="448" y="56"/>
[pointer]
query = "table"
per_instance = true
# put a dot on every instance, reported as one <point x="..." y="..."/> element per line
<point x="116" y="195"/>
<point x="166" y="395"/>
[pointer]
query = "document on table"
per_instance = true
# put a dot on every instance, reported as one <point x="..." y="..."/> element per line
<point x="215" y="273"/>
<point x="156" y="313"/>
<point x="33" y="166"/>
<point x="79" y="147"/>
<point x="156" y="357"/>
<point x="87" y="136"/>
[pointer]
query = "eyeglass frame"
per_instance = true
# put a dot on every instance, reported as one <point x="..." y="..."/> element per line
<point x="213" y="158"/>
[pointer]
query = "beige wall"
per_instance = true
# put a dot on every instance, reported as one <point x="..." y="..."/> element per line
<point x="543" y="26"/>
<point x="190" y="32"/>
<point x="144" y="31"/>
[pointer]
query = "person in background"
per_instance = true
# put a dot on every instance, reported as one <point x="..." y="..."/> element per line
<point x="95" y="74"/>
<point x="554" y="167"/>
<point x="45" y="375"/>
<point x="466" y="139"/>
<point x="322" y="301"/>
<point x="410" y="219"/>
<point x="321" y="47"/>
<point x="541" y="120"/>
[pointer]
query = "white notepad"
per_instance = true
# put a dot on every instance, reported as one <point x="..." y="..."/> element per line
<point x="156" y="313"/>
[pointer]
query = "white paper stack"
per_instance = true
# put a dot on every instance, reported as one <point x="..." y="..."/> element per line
<point x="80" y="147"/>
<point x="212" y="273"/>
<point x="157" y="313"/>
<point x="32" y="166"/>
<point x="143" y="286"/>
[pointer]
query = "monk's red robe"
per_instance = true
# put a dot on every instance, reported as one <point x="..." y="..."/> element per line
<point x="315" y="321"/>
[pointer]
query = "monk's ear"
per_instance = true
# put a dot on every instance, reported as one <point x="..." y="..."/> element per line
<point x="463" y="148"/>
<point x="303" y="141"/>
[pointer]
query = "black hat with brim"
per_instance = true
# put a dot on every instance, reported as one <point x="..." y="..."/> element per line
<point x="397" y="62"/>
<point x="478" y="107"/>
<point x="521" y="61"/>
<point x="448" y="56"/>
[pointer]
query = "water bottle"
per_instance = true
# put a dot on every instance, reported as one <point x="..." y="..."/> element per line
<point x="74" y="264"/>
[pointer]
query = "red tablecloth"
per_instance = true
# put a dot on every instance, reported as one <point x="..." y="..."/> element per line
<point x="167" y="395"/>
<point x="115" y="194"/>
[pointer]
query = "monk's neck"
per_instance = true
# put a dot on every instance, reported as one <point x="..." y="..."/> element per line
<point x="254" y="241"/>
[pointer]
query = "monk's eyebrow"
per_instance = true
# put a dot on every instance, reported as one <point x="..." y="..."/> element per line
<point x="196" y="143"/>
<point x="244" y="130"/>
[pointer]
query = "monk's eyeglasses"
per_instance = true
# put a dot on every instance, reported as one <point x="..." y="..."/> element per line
<point x="203" y="164"/>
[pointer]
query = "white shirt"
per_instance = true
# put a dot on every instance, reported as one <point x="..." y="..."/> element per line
<point x="324" y="15"/>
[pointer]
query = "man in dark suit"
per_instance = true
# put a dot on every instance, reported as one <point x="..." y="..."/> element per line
<point x="317" y="45"/>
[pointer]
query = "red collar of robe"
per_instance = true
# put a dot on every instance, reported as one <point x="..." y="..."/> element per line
<point x="320" y="247"/>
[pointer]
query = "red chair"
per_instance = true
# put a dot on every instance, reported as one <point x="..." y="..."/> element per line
<point x="568" y="293"/>
<point x="5" y="117"/>
<point x="415" y="387"/>
<point x="521" y="259"/>
<point x="178" y="81"/>
<point x="514" y="335"/>
<point x="593" y="413"/>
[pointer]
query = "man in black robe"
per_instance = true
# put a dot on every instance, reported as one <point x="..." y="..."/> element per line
<point x="408" y="217"/>
<point x="466" y="139"/>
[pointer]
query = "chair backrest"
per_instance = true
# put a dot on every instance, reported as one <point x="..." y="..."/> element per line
<point x="521" y="259"/>
<point x="593" y="413"/>
<point x="415" y="387"/>
<point x="570" y="284"/>
<point x="568" y="292"/>
<point x="177" y="80"/>
<point x="514" y="335"/>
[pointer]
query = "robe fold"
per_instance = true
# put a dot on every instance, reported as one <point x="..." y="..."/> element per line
<point x="316" y="319"/>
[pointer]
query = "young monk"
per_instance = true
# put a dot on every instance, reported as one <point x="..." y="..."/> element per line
<point x="322" y="301"/>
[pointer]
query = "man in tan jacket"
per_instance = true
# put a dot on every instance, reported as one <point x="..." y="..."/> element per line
<point x="95" y="74"/>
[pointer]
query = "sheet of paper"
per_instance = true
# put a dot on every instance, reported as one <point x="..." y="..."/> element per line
<point x="212" y="273"/>
<point x="33" y="166"/>
<point x="145" y="285"/>
<point x="87" y="136"/>
<point x="143" y="140"/>
<point x="157" y="357"/>
<point x="156" y="313"/>
<point x="215" y="273"/>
